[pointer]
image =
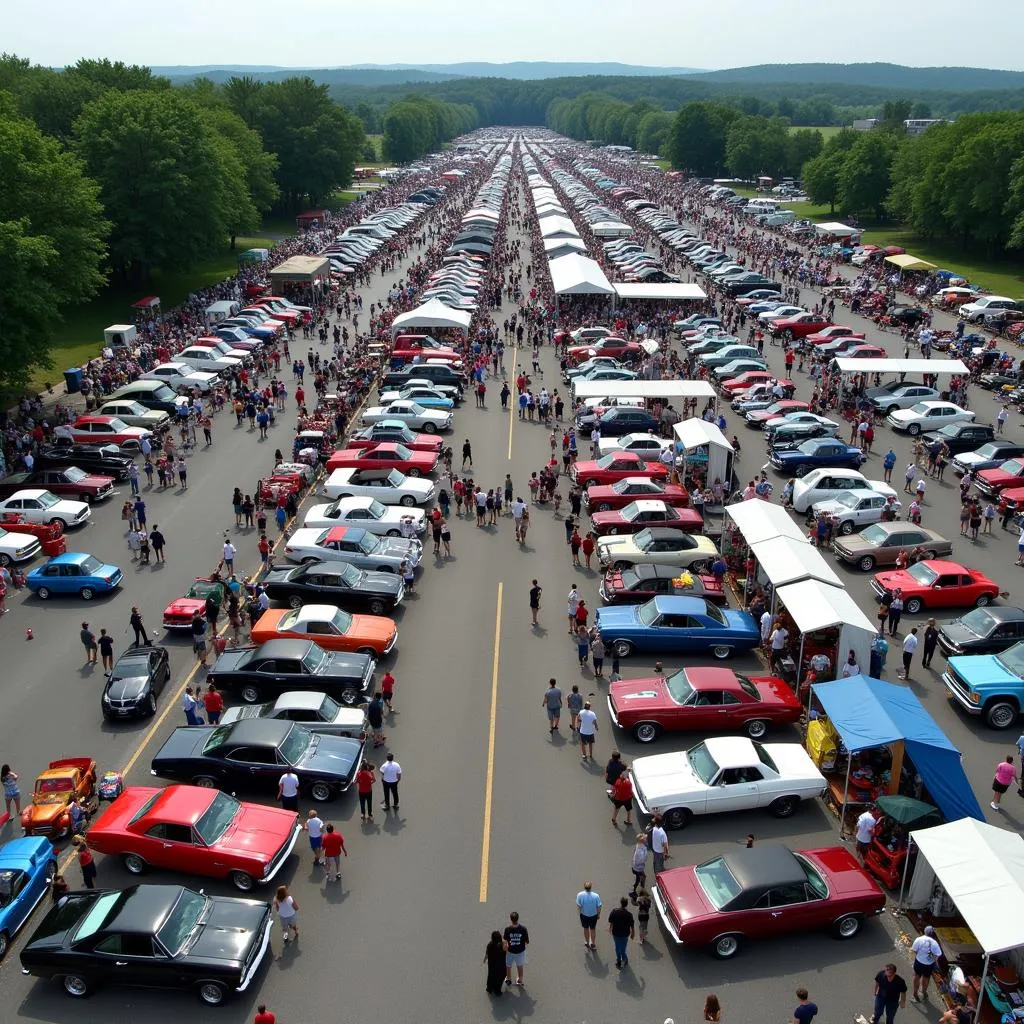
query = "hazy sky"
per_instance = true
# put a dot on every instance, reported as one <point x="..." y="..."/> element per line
<point x="682" y="33"/>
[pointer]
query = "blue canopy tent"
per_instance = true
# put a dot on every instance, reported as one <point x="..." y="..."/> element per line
<point x="867" y="713"/>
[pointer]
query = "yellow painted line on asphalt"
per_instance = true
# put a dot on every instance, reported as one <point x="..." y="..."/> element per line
<point x="514" y="412"/>
<point x="485" y="846"/>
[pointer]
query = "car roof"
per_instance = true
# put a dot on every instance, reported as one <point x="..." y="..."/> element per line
<point x="30" y="492"/>
<point x="257" y="732"/>
<point x="663" y="532"/>
<point x="315" y="612"/>
<point x="941" y="566"/>
<point x="649" y="504"/>
<point x="299" y="700"/>
<point x="70" y="558"/>
<point x="670" y="605"/>
<point x="1005" y="613"/>
<point x="283" y="649"/>
<point x="731" y="751"/>
<point x="356" y="501"/>
<point x="17" y="853"/>
<point x="338" y="533"/>
<point x="710" y="677"/>
<point x="764" y="865"/>
<point x="183" y="805"/>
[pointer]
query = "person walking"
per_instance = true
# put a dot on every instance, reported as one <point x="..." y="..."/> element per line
<point x="638" y="864"/>
<point x="213" y="703"/>
<point x="364" y="787"/>
<point x="622" y="928"/>
<point x="263" y="1015"/>
<point x="909" y="474"/>
<point x="85" y="861"/>
<point x="467" y="454"/>
<point x="228" y="557"/>
<point x="890" y="994"/>
<point x="106" y="645"/>
<point x="622" y="797"/>
<point x="387" y="691"/>
<point x="895" y="611"/>
<point x="805" y="1010"/>
<point x="190" y="705"/>
<point x="926" y="952"/>
<point x="375" y="719"/>
<point x="313" y="826"/>
<point x="931" y="640"/>
<point x="1005" y="775"/>
<point x="587" y="731"/>
<point x="494" y="958"/>
<point x="198" y="631"/>
<point x="136" y="623"/>
<point x="598" y="650"/>
<point x="333" y="847"/>
<point x="390" y="776"/>
<point x="288" y="791"/>
<point x="88" y="638"/>
<point x="888" y="464"/>
<point x="659" y="844"/>
<point x="535" y="592"/>
<point x="552" y="702"/>
<point x="909" y="646"/>
<point x="589" y="905"/>
<point x="712" y="1009"/>
<point x="516" y="939"/>
<point x="12" y="792"/>
<point x="572" y="602"/>
<point x="158" y="542"/>
<point x="574" y="704"/>
<point x="287" y="913"/>
<point x="643" y="913"/>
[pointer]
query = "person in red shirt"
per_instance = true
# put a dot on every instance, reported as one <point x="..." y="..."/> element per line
<point x="300" y="396"/>
<point x="582" y="611"/>
<point x="364" y="786"/>
<point x="263" y="1015"/>
<point x="333" y="847"/>
<point x="387" y="689"/>
<point x="588" y="546"/>
<point x="214" y="704"/>
<point x="622" y="796"/>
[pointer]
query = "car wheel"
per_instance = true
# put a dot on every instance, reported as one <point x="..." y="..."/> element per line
<point x="801" y="470"/>
<point x="205" y="781"/>
<point x="983" y="599"/>
<point x="76" y="986"/>
<point x="151" y="705"/>
<point x="891" y="410"/>
<point x="783" y="806"/>
<point x="85" y="498"/>
<point x="429" y="428"/>
<point x="622" y="648"/>
<point x="134" y="864"/>
<point x="59" y="523"/>
<point x="848" y="926"/>
<point x="44" y="593"/>
<point x="242" y="881"/>
<point x="646" y="732"/>
<point x="604" y="507"/>
<point x="721" y="651"/>
<point x="914" y="429"/>
<point x="413" y="471"/>
<point x="846" y="527"/>
<point x="377" y="607"/>
<point x="725" y="946"/>
<point x="4" y="943"/>
<point x="676" y="817"/>
<point x="368" y="651"/>
<point x="394" y="533"/>
<point x="295" y="601"/>
<point x="407" y="500"/>
<point x="321" y="791"/>
<point x="250" y="693"/>
<point x="613" y="531"/>
<point x="87" y="593"/>
<point x="212" y="993"/>
<point x="1001" y="714"/>
<point x="756" y="728"/>
<point x="866" y="564"/>
<point x="913" y="605"/>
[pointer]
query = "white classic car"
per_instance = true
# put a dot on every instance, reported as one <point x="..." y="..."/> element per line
<point x="851" y="510"/>
<point x="725" y="773"/>
<point x="369" y="515"/>
<point x="411" y="413"/>
<point x="316" y="711"/>
<point x="390" y="486"/>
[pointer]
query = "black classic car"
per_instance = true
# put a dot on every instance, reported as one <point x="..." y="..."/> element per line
<point x="255" y="753"/>
<point x="103" y="461"/>
<point x="961" y="437"/>
<point x="336" y="583"/>
<point x="267" y="671"/>
<point x="982" y="631"/>
<point x="137" y="679"/>
<point x="151" y="936"/>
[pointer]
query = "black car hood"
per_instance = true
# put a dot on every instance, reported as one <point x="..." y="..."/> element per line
<point x="957" y="633"/>
<point x="232" y="929"/>
<point x="332" y="757"/>
<point x="388" y="583"/>
<point x="128" y="688"/>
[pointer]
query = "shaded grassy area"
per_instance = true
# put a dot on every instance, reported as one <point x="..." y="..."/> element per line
<point x="378" y="144"/>
<point x="827" y="131"/>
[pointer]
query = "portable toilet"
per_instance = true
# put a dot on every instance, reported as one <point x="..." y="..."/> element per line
<point x="120" y="336"/>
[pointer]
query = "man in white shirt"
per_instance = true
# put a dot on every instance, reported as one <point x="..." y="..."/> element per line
<point x="288" y="791"/>
<point x="229" y="556"/>
<point x="595" y="437"/>
<point x="866" y="825"/>
<point x="659" y="844"/>
<point x="780" y="635"/>
<point x="571" y="604"/>
<point x="926" y="954"/>
<point x="588" y="729"/>
<point x="390" y="773"/>
<point x="909" y="646"/>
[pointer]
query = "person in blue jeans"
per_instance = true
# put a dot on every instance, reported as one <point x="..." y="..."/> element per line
<point x="890" y="994"/>
<point x="621" y="928"/>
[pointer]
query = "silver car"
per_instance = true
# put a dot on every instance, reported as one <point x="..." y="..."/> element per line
<point x="316" y="711"/>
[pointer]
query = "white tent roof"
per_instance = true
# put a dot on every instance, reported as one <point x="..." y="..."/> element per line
<point x="574" y="244"/>
<point x="814" y="605"/>
<point x="577" y="275"/>
<point x="761" y="520"/>
<point x="433" y="313"/>
<point x="938" y="366"/>
<point x="550" y="210"/>
<point x="668" y="290"/>
<point x="558" y="226"/>
<point x="643" y="389"/>
<point x="694" y="432"/>
<point x="784" y="560"/>
<point x="981" y="867"/>
<point x="610" y="229"/>
<point x="481" y="214"/>
<point x="834" y="227"/>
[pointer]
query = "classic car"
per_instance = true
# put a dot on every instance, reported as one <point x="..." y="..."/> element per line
<point x="39" y="506"/>
<point x="135" y="414"/>
<point x="701" y="698"/>
<point x="683" y="625"/>
<point x="982" y="631"/>
<point x="183" y="378"/>
<point x="606" y="497"/>
<point x="647" y="446"/>
<point x="256" y="673"/>
<point x="850" y="510"/>
<point x="74" y="573"/>
<point x="104" y="430"/>
<point x="638" y="515"/>
<point x="63" y="481"/>
<point x="882" y="543"/>
<point x="614" y="467"/>
<point x="328" y="627"/>
<point x="179" y="613"/>
<point x="103" y="461"/>
<point x="729" y="356"/>
<point x="407" y="347"/>
<point x="825" y="484"/>
<point x="640" y="583"/>
<point x="151" y="936"/>
<point x="17" y="547"/>
<point x="66" y="779"/>
<point x="451" y="391"/>
<point x="197" y="831"/>
<point x="619" y="348"/>
<point x="367" y="514"/>
<point x="255" y="752"/>
<point x="815" y="452"/>
<point x="315" y="710"/>
<point x="890" y="398"/>
<point x="1009" y="474"/>
<point x="832" y="332"/>
<point x="927" y="416"/>
<point x="936" y="584"/>
<point x="397" y="432"/>
<point x="600" y="374"/>
<point x="138" y="677"/>
<point x="412" y="413"/>
<point x="424" y="395"/>
<point x="771" y="426"/>
<point x="765" y="892"/>
<point x="799" y="326"/>
<point x="26" y="867"/>
<point x="725" y="773"/>
<point x="961" y="437"/>
<point x="385" y="455"/>
<point x="989" y="685"/>
<point x="570" y="373"/>
<point x="656" y="544"/>
<point x="758" y="417"/>
<point x="350" y="544"/>
<point x="988" y="456"/>
<point x="336" y="583"/>
<point x="747" y="380"/>
<point x="624" y="419"/>
<point x="787" y="436"/>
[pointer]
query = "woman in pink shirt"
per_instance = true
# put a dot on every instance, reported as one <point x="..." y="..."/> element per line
<point x="1005" y="774"/>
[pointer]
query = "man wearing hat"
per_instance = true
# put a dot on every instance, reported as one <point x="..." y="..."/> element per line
<point x="926" y="954"/>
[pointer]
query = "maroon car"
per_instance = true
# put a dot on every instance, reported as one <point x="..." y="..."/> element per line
<point x="605" y="497"/>
<point x="640" y="583"/>
<point x="65" y="481"/>
<point x="638" y="515"/>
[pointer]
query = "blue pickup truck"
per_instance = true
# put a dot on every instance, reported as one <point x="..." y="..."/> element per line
<point x="990" y="685"/>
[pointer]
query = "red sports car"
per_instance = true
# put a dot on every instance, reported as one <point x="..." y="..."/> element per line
<point x="180" y="612"/>
<point x="701" y="698"/>
<point x="1009" y="474"/>
<point x="640" y="514"/>
<point x="605" y="497"/>
<point x="384" y="455"/>
<point x="639" y="583"/>
<point x="832" y="333"/>
<point x="799" y="326"/>
<point x="617" y="348"/>
<point x="765" y="892"/>
<point x="615" y="466"/>
<point x="396" y="431"/>
<point x="196" y="830"/>
<point x="752" y="377"/>
<point x="935" y="583"/>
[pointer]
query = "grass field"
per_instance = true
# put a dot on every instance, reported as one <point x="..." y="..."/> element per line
<point x="827" y="130"/>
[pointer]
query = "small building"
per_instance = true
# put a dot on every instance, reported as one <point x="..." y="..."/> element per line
<point x="865" y="124"/>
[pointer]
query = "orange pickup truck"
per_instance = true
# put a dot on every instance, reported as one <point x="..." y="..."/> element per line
<point x="49" y="814"/>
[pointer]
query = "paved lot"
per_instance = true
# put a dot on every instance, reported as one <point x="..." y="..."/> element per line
<point x="496" y="815"/>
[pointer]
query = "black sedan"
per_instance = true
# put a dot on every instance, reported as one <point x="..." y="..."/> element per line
<point x="336" y="583"/>
<point x="138" y="678"/>
<point x="151" y="936"/>
<point x="254" y="753"/>
<point x="267" y="671"/>
<point x="982" y="631"/>
<point x="961" y="437"/>
<point x="92" y="458"/>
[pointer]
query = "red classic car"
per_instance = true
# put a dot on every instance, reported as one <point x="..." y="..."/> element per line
<point x="605" y="497"/>
<point x="640" y="583"/>
<point x="180" y="612"/>
<point x="935" y="583"/>
<point x="408" y="346"/>
<point x="765" y="892"/>
<point x="615" y="466"/>
<point x="1009" y="474"/>
<point x="702" y="698"/>
<point x="384" y="455"/>
<point x="832" y="333"/>
<point x="396" y="431"/>
<point x="104" y="430"/>
<point x="196" y="830"/>
<point x="757" y="417"/>
<point x="747" y="380"/>
<point x="644" y="512"/>
<point x="799" y="326"/>
<point x="614" y="346"/>
<point x="65" y="481"/>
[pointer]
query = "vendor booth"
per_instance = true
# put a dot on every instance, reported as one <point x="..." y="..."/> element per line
<point x="313" y="272"/>
<point x="835" y="230"/>
<point x="904" y="261"/>
<point x="670" y="291"/>
<point x="433" y="313"/>
<point x="759" y="520"/>
<point x="667" y="390"/>
<point x="258" y="255"/>
<point x="576" y="274"/>
<point x="705" y="451"/>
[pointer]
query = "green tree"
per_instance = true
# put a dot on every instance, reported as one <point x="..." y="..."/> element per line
<point x="697" y="141"/>
<point x="245" y="97"/>
<point x="894" y="113"/>
<point x="802" y="145"/>
<point x="653" y="131"/>
<point x="821" y="173"/>
<point x="368" y="116"/>
<point x="52" y="242"/>
<point x="866" y="175"/>
<point x="922" y="110"/>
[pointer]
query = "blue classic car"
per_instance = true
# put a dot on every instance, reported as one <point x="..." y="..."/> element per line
<point x="26" y="867"/>
<point x="815" y="452"/>
<point x="74" y="573"/>
<point x="684" y="625"/>
<point x="989" y="685"/>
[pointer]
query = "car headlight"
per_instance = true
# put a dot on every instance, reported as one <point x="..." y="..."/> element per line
<point x="106" y="698"/>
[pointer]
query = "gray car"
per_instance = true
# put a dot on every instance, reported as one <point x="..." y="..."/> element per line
<point x="349" y="544"/>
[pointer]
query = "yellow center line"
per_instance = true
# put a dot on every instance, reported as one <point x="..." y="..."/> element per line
<point x="514" y="408"/>
<point x="485" y="848"/>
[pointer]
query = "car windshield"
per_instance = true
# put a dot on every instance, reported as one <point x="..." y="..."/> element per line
<point x="74" y="474"/>
<point x="848" y="499"/>
<point x="875" y="534"/>
<point x="184" y="916"/>
<point x="377" y="510"/>
<point x="678" y="686"/>
<point x="341" y="621"/>
<point x="1012" y="466"/>
<point x="647" y="613"/>
<point x="631" y="510"/>
<point x="980" y="622"/>
<point x="47" y="500"/>
<point x="606" y="461"/>
<point x="808" y="447"/>
<point x="350" y="575"/>
<point x="295" y="744"/>
<point x="90" y="566"/>
<point x="748" y="687"/>
<point x="368" y="543"/>
<point x="920" y="409"/>
<point x="329" y="709"/>
<point x="402" y="452"/>
<point x="1013" y="660"/>
<point x="145" y="808"/>
<point x="314" y="660"/>
<point x="702" y="764"/>
<point x="217" y="817"/>
<point x="395" y="478"/>
<point x="717" y="881"/>
<point x="923" y="574"/>
<point x="98" y="914"/>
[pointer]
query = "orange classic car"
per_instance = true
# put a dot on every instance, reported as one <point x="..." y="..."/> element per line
<point x="66" y="779"/>
<point x="328" y="627"/>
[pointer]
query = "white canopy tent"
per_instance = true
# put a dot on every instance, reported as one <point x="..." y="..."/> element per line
<point x="834" y="229"/>
<point x="611" y="229"/>
<point x="558" y="227"/>
<point x="761" y="520"/>
<point x="784" y="560"/>
<point x="570" y="244"/>
<point x="931" y="366"/>
<point x="703" y="442"/>
<point x="551" y="210"/>
<point x="433" y="313"/>
<point x="576" y="274"/>
<point x="666" y="389"/>
<point x="481" y="214"/>
<point x="670" y="290"/>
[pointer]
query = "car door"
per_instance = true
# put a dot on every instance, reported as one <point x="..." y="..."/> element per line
<point x="132" y="959"/>
<point x="159" y="670"/>
<point x="253" y="767"/>
<point x="948" y="590"/>
<point x="735" y="789"/>
<point x="783" y="908"/>
<point x="172" y="846"/>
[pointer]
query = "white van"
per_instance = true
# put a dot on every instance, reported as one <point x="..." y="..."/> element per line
<point x="218" y="311"/>
<point x="780" y="219"/>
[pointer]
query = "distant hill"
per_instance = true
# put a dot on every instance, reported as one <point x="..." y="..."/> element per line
<point x="369" y="77"/>
<point x="530" y="70"/>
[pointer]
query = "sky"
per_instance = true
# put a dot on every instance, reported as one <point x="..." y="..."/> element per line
<point x="665" y="33"/>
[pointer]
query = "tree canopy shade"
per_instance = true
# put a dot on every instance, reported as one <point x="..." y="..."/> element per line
<point x="52" y="241"/>
<point x="415" y="126"/>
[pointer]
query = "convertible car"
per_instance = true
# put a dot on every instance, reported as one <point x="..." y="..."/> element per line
<point x="180" y="612"/>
